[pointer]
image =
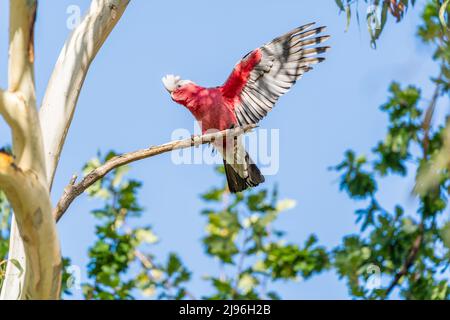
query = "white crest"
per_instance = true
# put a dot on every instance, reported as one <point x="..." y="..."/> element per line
<point x="170" y="82"/>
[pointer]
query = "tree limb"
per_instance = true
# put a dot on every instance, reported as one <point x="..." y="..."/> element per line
<point x="35" y="227"/>
<point x="68" y="76"/>
<point x="56" y="113"/>
<point x="74" y="189"/>
<point x="34" y="242"/>
<point x="9" y="105"/>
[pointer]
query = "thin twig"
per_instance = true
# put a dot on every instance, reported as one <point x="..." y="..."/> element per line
<point x="408" y="262"/>
<point x="74" y="190"/>
<point x="429" y="117"/>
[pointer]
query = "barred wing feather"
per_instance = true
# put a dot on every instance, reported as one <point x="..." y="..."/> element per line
<point x="272" y="70"/>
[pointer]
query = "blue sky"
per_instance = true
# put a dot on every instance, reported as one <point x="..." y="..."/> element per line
<point x="123" y="106"/>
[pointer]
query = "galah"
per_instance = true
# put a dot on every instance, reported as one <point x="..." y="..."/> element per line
<point x="250" y="92"/>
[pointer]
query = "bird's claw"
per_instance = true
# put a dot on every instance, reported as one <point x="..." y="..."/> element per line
<point x="194" y="141"/>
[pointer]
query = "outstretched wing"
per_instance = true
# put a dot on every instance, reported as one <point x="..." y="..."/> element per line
<point x="268" y="72"/>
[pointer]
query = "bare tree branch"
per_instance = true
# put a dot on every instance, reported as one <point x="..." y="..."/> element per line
<point x="73" y="190"/>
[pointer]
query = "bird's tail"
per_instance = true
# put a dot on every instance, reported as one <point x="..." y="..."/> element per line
<point x="240" y="177"/>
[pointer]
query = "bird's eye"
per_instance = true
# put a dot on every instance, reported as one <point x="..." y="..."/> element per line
<point x="178" y="86"/>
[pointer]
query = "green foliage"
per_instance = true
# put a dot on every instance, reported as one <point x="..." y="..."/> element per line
<point x="409" y="250"/>
<point x="165" y="281"/>
<point x="435" y="32"/>
<point x="240" y="234"/>
<point x="356" y="180"/>
<point x="405" y="124"/>
<point x="377" y="13"/>
<point x="289" y="261"/>
<point x="113" y="251"/>
<point x="390" y="236"/>
<point x="119" y="245"/>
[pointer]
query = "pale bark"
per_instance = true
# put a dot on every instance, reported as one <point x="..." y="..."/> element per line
<point x="30" y="201"/>
<point x="27" y="178"/>
<point x="23" y="177"/>
<point x="65" y="84"/>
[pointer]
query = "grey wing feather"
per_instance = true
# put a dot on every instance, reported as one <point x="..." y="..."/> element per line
<point x="284" y="61"/>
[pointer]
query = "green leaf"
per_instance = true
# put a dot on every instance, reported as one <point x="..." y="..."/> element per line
<point x="173" y="265"/>
<point x="340" y="5"/>
<point x="215" y="195"/>
<point x="348" y="12"/>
